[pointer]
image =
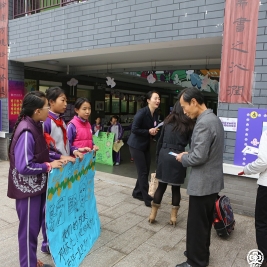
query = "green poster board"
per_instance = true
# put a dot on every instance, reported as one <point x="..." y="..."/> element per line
<point x="105" y="143"/>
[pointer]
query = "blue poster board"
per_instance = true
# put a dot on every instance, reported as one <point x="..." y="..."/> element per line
<point x="251" y="124"/>
<point x="72" y="221"/>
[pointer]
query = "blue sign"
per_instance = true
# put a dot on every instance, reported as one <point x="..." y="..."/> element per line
<point x="251" y="124"/>
<point x="72" y="220"/>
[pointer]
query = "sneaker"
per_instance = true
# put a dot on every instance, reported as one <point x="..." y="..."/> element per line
<point x="117" y="163"/>
<point x="40" y="264"/>
<point x="45" y="249"/>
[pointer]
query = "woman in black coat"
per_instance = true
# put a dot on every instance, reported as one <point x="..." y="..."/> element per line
<point x="175" y="136"/>
<point x="143" y="127"/>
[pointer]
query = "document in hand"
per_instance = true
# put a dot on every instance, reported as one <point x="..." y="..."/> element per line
<point x="173" y="154"/>
<point x="117" y="146"/>
<point x="96" y="133"/>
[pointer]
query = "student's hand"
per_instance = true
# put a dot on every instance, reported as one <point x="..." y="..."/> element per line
<point x="84" y="149"/>
<point x="95" y="148"/>
<point x="118" y="141"/>
<point x="57" y="164"/>
<point x="153" y="131"/>
<point x="67" y="159"/>
<point x="78" y="154"/>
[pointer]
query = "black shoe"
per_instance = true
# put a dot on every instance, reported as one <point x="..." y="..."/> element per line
<point x="184" y="264"/>
<point x="185" y="254"/>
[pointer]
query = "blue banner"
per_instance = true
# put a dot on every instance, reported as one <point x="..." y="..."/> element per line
<point x="72" y="220"/>
<point x="251" y="123"/>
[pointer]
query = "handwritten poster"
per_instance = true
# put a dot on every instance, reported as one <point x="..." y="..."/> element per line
<point x="105" y="143"/>
<point x="15" y="98"/>
<point x="238" y="52"/>
<point x="251" y="124"/>
<point x="3" y="48"/>
<point x="72" y="220"/>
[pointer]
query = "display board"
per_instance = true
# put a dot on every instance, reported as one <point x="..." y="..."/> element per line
<point x="105" y="143"/>
<point x="251" y="124"/>
<point x="72" y="220"/>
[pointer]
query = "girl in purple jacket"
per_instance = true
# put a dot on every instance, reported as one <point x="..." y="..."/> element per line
<point x="79" y="129"/>
<point x="27" y="179"/>
<point x="116" y="128"/>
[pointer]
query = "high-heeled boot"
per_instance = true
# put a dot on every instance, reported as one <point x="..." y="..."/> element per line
<point x="154" y="210"/>
<point x="174" y="215"/>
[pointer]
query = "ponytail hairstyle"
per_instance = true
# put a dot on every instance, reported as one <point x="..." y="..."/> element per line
<point x="31" y="102"/>
<point x="53" y="93"/>
<point x="80" y="101"/>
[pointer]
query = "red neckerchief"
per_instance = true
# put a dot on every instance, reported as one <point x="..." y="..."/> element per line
<point x="49" y="140"/>
<point x="59" y="123"/>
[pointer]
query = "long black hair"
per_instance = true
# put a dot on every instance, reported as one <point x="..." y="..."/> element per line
<point x="80" y="101"/>
<point x="53" y="93"/>
<point x="31" y="102"/>
<point x="181" y="122"/>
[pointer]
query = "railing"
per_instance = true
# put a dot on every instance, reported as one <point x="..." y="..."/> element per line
<point x="23" y="8"/>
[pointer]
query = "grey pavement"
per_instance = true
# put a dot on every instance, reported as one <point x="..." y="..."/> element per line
<point x="127" y="239"/>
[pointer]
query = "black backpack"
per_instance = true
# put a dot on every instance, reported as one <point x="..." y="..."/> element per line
<point x="224" y="221"/>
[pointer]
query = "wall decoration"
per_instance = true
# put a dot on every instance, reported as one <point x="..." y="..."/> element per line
<point x="204" y="80"/>
<point x="72" y="83"/>
<point x="110" y="82"/>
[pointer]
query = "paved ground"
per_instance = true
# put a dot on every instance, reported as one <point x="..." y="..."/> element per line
<point x="127" y="239"/>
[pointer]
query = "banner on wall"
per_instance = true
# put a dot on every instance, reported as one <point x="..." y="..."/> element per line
<point x="238" y="52"/>
<point x="72" y="220"/>
<point x="3" y="48"/>
<point x="15" y="98"/>
<point x="251" y="124"/>
<point x="105" y="143"/>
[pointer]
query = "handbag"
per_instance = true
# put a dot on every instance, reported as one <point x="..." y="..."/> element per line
<point x="153" y="184"/>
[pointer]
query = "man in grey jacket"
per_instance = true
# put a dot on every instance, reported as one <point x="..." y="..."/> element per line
<point x="206" y="177"/>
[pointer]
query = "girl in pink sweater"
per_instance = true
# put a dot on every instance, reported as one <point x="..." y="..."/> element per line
<point x="79" y="129"/>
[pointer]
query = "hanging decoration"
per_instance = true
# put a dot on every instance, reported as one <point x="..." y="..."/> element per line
<point x="110" y="82"/>
<point x="72" y="83"/>
<point x="150" y="78"/>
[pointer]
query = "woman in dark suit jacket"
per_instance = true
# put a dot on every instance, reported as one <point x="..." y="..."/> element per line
<point x="143" y="128"/>
<point x="175" y="136"/>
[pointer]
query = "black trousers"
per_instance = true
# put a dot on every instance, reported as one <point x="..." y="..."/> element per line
<point x="142" y="161"/>
<point x="261" y="219"/>
<point x="199" y="223"/>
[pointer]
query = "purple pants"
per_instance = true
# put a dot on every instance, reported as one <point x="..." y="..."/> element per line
<point x="116" y="156"/>
<point x="30" y="213"/>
